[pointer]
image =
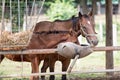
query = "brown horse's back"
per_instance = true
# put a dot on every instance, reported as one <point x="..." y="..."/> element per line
<point x="52" y="26"/>
<point x="43" y="26"/>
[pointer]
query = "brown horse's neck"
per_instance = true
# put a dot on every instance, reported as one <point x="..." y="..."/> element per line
<point x="75" y="23"/>
<point x="76" y="27"/>
<point x="71" y="24"/>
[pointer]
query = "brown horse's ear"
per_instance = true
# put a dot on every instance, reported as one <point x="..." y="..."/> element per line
<point x="90" y="13"/>
<point x="80" y="14"/>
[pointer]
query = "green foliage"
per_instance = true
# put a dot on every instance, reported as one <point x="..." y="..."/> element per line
<point x="118" y="28"/>
<point x="61" y="9"/>
<point x="90" y="75"/>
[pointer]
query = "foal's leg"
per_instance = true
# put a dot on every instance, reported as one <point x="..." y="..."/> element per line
<point x="35" y="67"/>
<point x="65" y="64"/>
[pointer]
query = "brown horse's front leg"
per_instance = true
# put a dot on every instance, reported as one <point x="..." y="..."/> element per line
<point x="35" y="67"/>
<point x="65" y="64"/>
<point x="49" y="61"/>
<point x="52" y="67"/>
<point x="44" y="67"/>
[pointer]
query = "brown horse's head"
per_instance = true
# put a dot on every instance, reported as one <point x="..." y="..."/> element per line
<point x="87" y="28"/>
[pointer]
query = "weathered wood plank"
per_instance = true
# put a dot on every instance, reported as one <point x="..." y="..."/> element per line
<point x="53" y="51"/>
<point x="109" y="35"/>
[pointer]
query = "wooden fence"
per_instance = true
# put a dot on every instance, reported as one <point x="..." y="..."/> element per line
<point x="53" y="51"/>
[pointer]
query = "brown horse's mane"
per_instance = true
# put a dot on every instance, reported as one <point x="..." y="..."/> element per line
<point x="73" y="17"/>
<point x="58" y="20"/>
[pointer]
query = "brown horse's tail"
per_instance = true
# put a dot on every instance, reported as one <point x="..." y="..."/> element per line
<point x="1" y="58"/>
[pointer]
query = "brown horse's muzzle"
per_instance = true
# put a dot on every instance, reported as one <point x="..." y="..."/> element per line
<point x="93" y="41"/>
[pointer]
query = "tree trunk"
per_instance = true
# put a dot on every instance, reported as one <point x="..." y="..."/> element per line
<point x="94" y="6"/>
<point x="84" y="6"/>
<point x="119" y="7"/>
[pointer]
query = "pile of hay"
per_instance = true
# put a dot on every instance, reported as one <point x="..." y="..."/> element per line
<point x="14" y="39"/>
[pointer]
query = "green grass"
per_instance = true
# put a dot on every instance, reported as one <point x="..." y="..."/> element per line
<point x="90" y="75"/>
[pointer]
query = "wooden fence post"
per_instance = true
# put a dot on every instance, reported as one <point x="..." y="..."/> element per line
<point x="109" y="36"/>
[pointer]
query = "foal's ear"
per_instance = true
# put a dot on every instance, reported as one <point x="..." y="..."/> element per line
<point x="80" y="14"/>
<point x="90" y="13"/>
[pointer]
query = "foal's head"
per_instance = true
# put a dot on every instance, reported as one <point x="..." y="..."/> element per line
<point x="87" y="28"/>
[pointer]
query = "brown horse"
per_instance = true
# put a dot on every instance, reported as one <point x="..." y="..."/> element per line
<point x="48" y="34"/>
<point x="81" y="25"/>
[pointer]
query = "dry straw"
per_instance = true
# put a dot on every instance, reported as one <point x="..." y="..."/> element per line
<point x="8" y="39"/>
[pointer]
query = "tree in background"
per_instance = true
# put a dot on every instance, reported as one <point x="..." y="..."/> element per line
<point x="119" y="7"/>
<point x="64" y="9"/>
<point x="61" y="9"/>
<point x="84" y="6"/>
<point x="17" y="14"/>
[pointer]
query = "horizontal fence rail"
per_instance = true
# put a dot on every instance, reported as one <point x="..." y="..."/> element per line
<point x="59" y="73"/>
<point x="107" y="48"/>
<point x="31" y="51"/>
<point x="52" y="51"/>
